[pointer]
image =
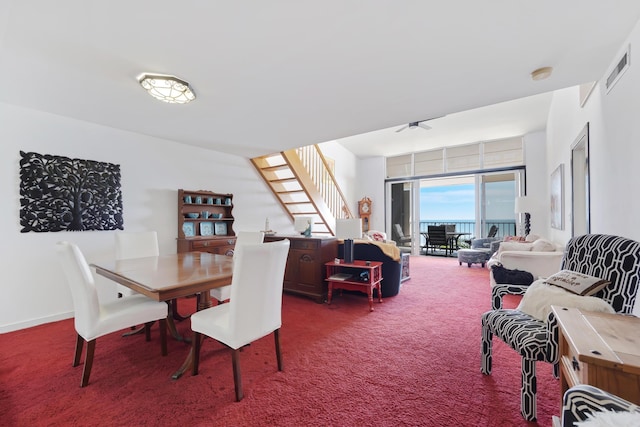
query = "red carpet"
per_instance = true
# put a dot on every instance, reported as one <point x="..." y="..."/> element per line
<point x="414" y="361"/>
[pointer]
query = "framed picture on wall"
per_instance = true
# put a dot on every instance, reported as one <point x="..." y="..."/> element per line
<point x="557" y="198"/>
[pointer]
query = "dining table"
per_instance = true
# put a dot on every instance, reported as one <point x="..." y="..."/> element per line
<point x="166" y="277"/>
<point x="452" y="239"/>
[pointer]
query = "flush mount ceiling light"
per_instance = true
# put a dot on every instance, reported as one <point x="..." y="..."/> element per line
<point x="167" y="88"/>
<point x="541" y="73"/>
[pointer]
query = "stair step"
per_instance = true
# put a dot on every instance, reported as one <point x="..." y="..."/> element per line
<point x="275" y="168"/>
<point x="281" y="180"/>
<point x="289" y="191"/>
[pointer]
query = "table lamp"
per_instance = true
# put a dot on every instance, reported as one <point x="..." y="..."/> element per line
<point x="524" y="205"/>
<point x="348" y="229"/>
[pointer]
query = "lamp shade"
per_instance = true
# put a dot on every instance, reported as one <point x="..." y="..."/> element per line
<point x="523" y="204"/>
<point x="349" y="228"/>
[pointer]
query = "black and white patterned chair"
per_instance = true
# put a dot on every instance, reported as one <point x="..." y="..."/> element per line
<point x="613" y="258"/>
<point x="581" y="401"/>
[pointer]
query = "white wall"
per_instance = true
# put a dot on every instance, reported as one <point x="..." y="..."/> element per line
<point x="614" y="120"/>
<point x="370" y="183"/>
<point x="152" y="170"/>
<point x="537" y="181"/>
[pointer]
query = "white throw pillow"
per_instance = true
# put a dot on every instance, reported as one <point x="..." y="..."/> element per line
<point x="611" y="419"/>
<point x="543" y="245"/>
<point x="515" y="246"/>
<point x="539" y="297"/>
<point x="531" y="237"/>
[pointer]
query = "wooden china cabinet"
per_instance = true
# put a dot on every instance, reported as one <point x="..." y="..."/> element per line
<point x="213" y="233"/>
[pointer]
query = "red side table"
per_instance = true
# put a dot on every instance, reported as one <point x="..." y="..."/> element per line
<point x="348" y="276"/>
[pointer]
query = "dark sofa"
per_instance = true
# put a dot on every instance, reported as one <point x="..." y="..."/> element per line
<point x="391" y="269"/>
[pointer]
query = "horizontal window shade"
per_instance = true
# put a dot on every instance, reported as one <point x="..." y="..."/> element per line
<point x="429" y="162"/>
<point x="463" y="158"/>
<point x="399" y="166"/>
<point x="471" y="157"/>
<point x="503" y="152"/>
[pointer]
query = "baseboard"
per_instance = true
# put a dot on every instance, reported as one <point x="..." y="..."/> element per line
<point x="35" y="322"/>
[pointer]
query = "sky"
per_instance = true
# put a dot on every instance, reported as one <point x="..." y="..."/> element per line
<point x="457" y="202"/>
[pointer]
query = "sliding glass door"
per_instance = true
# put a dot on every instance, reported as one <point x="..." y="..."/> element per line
<point x="497" y="193"/>
<point x="401" y="224"/>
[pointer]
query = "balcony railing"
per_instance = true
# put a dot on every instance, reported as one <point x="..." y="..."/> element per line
<point x="506" y="227"/>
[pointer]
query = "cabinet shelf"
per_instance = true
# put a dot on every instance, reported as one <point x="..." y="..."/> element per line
<point x="222" y="240"/>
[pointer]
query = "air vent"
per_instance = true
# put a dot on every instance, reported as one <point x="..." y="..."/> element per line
<point x="619" y="70"/>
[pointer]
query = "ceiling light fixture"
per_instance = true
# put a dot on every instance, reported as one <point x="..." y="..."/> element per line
<point x="168" y="89"/>
<point x="541" y="73"/>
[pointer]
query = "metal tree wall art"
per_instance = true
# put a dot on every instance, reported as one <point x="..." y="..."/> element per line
<point x="58" y="193"/>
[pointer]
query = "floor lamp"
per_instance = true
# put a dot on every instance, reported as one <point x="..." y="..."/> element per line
<point x="523" y="205"/>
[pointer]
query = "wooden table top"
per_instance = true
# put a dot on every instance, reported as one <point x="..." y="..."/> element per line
<point x="604" y="339"/>
<point x="166" y="277"/>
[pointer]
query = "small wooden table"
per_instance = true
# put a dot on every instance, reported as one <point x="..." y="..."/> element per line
<point x="166" y="277"/>
<point x="349" y="276"/>
<point x="599" y="349"/>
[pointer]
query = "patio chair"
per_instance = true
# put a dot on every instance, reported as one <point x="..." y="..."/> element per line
<point x="437" y="238"/>
<point x="402" y="240"/>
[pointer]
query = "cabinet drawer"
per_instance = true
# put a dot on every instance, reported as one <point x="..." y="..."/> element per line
<point x="204" y="244"/>
<point x="305" y="244"/>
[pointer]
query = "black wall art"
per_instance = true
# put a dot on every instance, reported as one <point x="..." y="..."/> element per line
<point x="58" y="193"/>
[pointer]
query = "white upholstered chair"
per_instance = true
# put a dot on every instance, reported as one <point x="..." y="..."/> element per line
<point x="242" y="238"/>
<point x="93" y="319"/>
<point x="255" y="307"/>
<point x="135" y="245"/>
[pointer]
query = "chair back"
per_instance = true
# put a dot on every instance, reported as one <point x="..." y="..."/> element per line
<point x="248" y="238"/>
<point x="450" y="228"/>
<point x="399" y="230"/>
<point x="256" y="290"/>
<point x="493" y="231"/>
<point x="437" y="235"/>
<point x="136" y="244"/>
<point x="613" y="258"/>
<point x="86" y="305"/>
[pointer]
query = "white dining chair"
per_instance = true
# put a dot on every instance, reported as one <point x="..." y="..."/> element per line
<point x="255" y="307"/>
<point x="242" y="238"/>
<point x="93" y="319"/>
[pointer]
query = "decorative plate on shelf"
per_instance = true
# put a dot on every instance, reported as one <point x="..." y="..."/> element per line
<point x="206" y="229"/>
<point x="189" y="229"/>
<point x="221" y="228"/>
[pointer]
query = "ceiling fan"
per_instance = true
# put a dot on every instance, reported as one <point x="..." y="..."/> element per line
<point x="414" y="125"/>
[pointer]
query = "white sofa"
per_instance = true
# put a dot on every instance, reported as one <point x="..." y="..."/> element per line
<point x="539" y="257"/>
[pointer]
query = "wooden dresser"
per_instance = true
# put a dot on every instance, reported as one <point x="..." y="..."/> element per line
<point x="599" y="349"/>
<point x="305" y="271"/>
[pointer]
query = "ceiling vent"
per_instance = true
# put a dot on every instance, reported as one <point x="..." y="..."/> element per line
<point x="618" y="70"/>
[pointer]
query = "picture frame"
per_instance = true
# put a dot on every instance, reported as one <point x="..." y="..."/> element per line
<point x="220" y="228"/>
<point x="206" y="228"/>
<point x="189" y="229"/>
<point x="557" y="198"/>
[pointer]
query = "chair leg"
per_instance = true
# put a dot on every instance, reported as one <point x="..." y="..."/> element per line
<point x="487" y="338"/>
<point x="528" y="392"/>
<point x="195" y="347"/>
<point x="88" y="362"/>
<point x="237" y="376"/>
<point x="147" y="331"/>
<point x="276" y="335"/>
<point x="163" y="336"/>
<point x="78" y="354"/>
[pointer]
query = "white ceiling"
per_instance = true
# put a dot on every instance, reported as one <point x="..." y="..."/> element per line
<point x="271" y="75"/>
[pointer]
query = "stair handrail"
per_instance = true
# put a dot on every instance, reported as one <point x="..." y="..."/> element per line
<point x="323" y="178"/>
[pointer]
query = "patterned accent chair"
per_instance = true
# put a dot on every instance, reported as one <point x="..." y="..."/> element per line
<point x="613" y="258"/>
<point x="583" y="401"/>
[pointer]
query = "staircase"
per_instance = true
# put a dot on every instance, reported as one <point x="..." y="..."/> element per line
<point x="305" y="186"/>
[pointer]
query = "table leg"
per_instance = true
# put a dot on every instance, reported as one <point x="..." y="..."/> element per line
<point x="204" y="301"/>
<point x="370" y="295"/>
<point x="329" y="292"/>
